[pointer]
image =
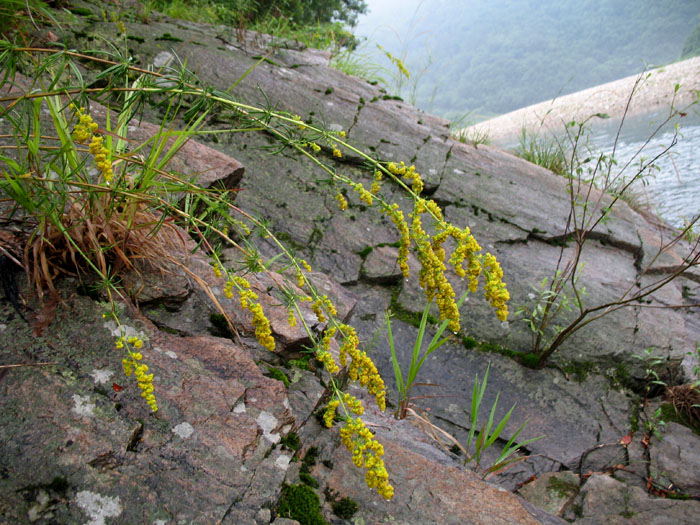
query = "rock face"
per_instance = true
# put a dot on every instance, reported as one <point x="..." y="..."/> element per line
<point x="81" y="445"/>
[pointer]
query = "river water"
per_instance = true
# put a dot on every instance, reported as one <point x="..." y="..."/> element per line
<point x="674" y="189"/>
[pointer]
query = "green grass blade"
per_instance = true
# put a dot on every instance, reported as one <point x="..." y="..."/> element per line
<point x="499" y="428"/>
<point x="413" y="370"/>
<point x="394" y="361"/>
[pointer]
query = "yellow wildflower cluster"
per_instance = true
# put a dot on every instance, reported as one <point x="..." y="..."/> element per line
<point x="409" y="173"/>
<point x="300" y="276"/>
<point x="495" y="289"/>
<point x="85" y="127"/>
<point x="217" y="270"/>
<point x="342" y="201"/>
<point x="396" y="216"/>
<point x="329" y="414"/>
<point x="297" y="119"/>
<point x="321" y="304"/>
<point x="248" y="298"/>
<point x="101" y="154"/>
<point x="132" y="364"/>
<point x="324" y="354"/>
<point x="85" y="130"/>
<point x="328" y="362"/>
<point x="365" y="196"/>
<point x="354" y="404"/>
<point x="432" y="273"/>
<point x="291" y="318"/>
<point x="374" y="189"/>
<point x="467" y="249"/>
<point x="336" y="152"/>
<point x="361" y="368"/>
<point x="367" y="452"/>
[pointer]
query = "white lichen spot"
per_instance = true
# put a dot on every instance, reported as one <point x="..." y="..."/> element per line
<point x="283" y="461"/>
<point x="432" y="171"/>
<point x="458" y="172"/>
<point x="285" y="403"/>
<point x="101" y="376"/>
<point x="160" y="522"/>
<point x="123" y="330"/>
<point x="285" y="429"/>
<point x="3" y="327"/>
<point x="239" y="408"/>
<point x="82" y="405"/>
<point x="98" y="507"/>
<point x="267" y="422"/>
<point x="183" y="430"/>
<point x="169" y="353"/>
<point x="162" y="59"/>
<point x="505" y="325"/>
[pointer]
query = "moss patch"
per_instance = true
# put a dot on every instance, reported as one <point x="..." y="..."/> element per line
<point x="277" y="374"/>
<point x="669" y="414"/>
<point x="562" y="488"/>
<point x="291" y="441"/>
<point x="305" y="469"/>
<point x="345" y="508"/>
<point x="301" y="503"/>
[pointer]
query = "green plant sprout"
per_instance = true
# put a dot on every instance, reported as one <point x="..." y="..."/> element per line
<point x="488" y="434"/>
<point x="404" y="386"/>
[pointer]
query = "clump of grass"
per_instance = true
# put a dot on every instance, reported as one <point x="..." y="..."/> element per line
<point x="474" y="136"/>
<point x="542" y="151"/>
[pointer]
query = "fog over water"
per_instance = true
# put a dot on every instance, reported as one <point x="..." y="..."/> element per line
<point x="474" y="59"/>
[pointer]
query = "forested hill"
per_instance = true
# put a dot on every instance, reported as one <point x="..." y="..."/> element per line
<point x="493" y="57"/>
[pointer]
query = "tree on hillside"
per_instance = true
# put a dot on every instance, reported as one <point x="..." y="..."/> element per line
<point x="302" y="12"/>
<point x="691" y="47"/>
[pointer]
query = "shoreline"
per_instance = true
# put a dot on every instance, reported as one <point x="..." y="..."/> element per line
<point x="655" y="91"/>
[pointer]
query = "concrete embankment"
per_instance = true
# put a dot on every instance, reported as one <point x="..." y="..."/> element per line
<point x="652" y="90"/>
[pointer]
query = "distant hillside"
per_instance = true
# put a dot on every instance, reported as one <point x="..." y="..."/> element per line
<point x="494" y="57"/>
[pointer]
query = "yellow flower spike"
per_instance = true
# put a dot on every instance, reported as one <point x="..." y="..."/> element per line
<point x="291" y="318"/>
<point x="495" y="289"/>
<point x="317" y="308"/>
<point x="342" y="201"/>
<point x="367" y="452"/>
<point x="328" y="362"/>
<point x="248" y="300"/>
<point x="337" y="153"/>
<point x="329" y="413"/>
<point x="315" y="147"/>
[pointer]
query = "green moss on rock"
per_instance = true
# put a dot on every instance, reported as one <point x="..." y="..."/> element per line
<point x="345" y="508"/>
<point x="301" y="503"/>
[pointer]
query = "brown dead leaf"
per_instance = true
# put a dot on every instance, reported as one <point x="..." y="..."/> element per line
<point x="51" y="37"/>
<point x="626" y="440"/>
<point x="43" y="319"/>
